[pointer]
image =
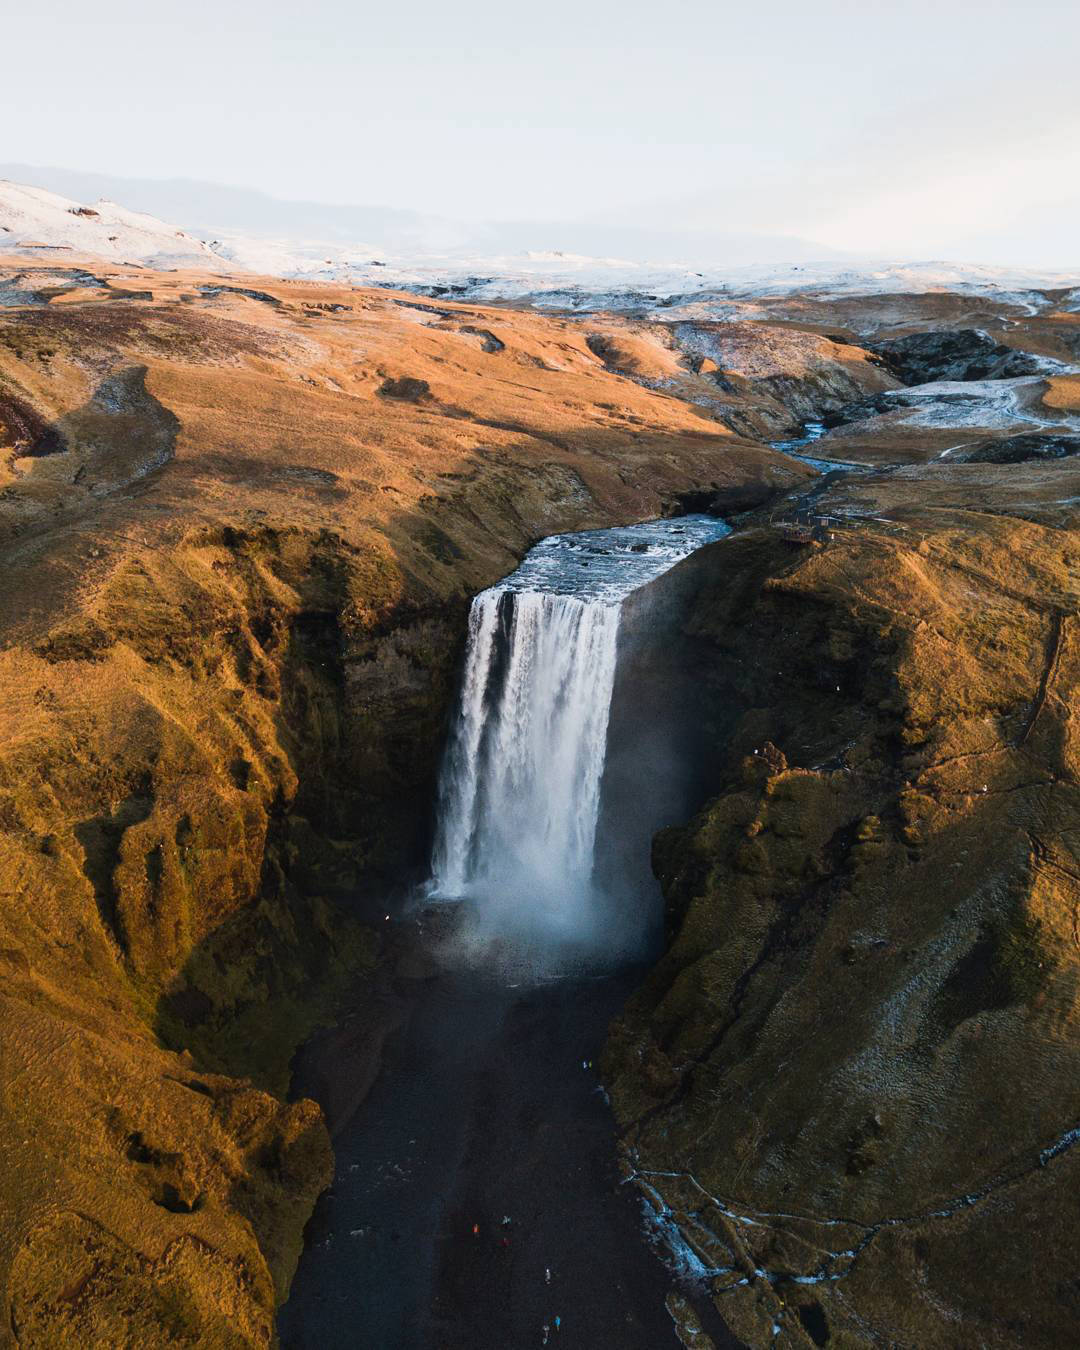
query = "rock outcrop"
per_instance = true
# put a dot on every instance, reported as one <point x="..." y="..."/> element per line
<point x="959" y="354"/>
<point x="1021" y="449"/>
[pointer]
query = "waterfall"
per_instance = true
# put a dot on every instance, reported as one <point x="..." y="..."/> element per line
<point x="519" y="794"/>
<point x="521" y="783"/>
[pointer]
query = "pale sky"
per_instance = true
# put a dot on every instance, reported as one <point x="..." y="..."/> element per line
<point x="932" y="128"/>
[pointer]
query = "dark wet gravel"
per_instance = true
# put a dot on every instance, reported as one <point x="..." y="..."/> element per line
<point x="483" y="1113"/>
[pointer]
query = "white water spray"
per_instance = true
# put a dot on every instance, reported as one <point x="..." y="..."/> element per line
<point x="521" y="782"/>
<point x="522" y="778"/>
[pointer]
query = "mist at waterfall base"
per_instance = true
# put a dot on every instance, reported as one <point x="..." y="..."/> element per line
<point x="543" y="847"/>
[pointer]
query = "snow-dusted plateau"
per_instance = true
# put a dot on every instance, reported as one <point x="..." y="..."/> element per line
<point x="35" y="223"/>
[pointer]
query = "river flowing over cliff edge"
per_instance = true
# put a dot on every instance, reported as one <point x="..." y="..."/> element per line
<point x="521" y="783"/>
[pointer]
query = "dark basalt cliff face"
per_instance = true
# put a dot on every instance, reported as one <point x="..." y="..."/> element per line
<point x="963" y="354"/>
<point x="854" y="1077"/>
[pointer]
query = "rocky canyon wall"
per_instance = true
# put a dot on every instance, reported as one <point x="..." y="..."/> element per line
<point x="852" y="1078"/>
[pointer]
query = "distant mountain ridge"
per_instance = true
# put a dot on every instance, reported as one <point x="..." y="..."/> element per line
<point x="408" y="251"/>
<point x="209" y="209"/>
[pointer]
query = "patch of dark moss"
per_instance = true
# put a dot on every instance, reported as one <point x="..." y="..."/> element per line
<point x="1007" y="964"/>
<point x="1020" y="449"/>
<point x="815" y="1323"/>
<point x="405" y="388"/>
<point x="26" y="430"/>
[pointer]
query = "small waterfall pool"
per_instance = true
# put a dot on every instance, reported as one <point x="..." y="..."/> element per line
<point x="521" y="784"/>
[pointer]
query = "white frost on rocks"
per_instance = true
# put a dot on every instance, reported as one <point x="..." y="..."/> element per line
<point x="993" y="404"/>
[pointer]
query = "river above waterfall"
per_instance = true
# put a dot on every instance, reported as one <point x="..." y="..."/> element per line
<point x="606" y="565"/>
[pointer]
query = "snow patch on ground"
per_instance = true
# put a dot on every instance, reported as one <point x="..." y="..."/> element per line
<point x="553" y="279"/>
<point x="39" y="224"/>
<point x="991" y="404"/>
